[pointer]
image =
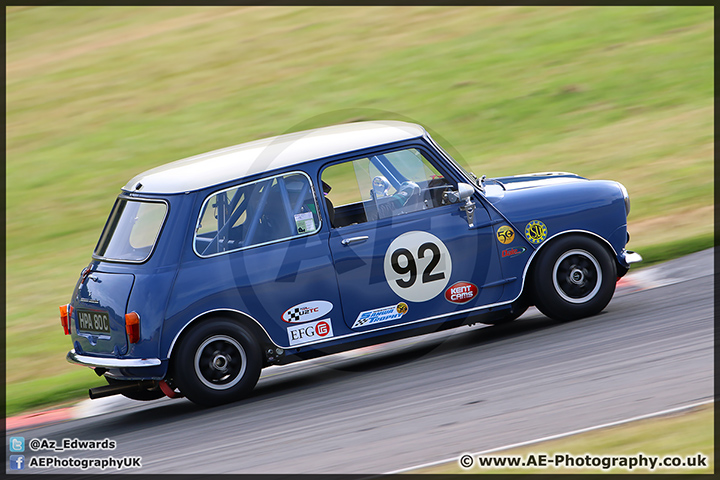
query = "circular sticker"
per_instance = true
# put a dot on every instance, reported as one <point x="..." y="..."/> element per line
<point x="505" y="234"/>
<point x="417" y="266"/>
<point x="401" y="308"/>
<point x="535" y="231"/>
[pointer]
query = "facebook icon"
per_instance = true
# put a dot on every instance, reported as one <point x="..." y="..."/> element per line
<point x="17" y="462"/>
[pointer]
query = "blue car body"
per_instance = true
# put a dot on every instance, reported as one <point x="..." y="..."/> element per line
<point x="318" y="288"/>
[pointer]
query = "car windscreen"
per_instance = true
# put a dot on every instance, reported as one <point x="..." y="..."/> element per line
<point x="131" y="231"/>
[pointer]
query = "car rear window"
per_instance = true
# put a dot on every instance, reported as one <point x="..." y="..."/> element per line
<point x="131" y="231"/>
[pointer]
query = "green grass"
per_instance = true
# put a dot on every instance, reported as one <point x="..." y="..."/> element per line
<point x="653" y="254"/>
<point x="684" y="434"/>
<point x="96" y="95"/>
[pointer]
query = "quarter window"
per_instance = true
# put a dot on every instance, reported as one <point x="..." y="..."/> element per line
<point x="257" y="213"/>
<point x="131" y="230"/>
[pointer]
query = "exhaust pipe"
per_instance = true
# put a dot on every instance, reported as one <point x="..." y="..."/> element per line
<point x="124" y="387"/>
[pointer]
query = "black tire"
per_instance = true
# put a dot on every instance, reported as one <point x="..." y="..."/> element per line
<point x="574" y="278"/>
<point x="217" y="362"/>
<point x="143" y="395"/>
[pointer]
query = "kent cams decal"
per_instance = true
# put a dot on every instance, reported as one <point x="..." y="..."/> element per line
<point x="535" y="231"/>
<point x="380" y="315"/>
<point x="461" y="292"/>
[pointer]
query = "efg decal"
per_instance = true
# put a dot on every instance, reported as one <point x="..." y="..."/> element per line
<point x="309" y="332"/>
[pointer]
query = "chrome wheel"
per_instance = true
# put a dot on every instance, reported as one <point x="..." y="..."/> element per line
<point x="577" y="276"/>
<point x="220" y="362"/>
<point x="573" y="277"/>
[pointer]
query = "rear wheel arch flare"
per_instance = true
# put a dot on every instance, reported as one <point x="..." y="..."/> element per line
<point x="218" y="361"/>
<point x="243" y="319"/>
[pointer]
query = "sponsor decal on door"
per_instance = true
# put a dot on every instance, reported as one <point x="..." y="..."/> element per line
<point x="310" y="332"/>
<point x="307" y="311"/>
<point x="461" y="292"/>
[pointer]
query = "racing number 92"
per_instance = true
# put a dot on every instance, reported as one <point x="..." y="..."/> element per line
<point x="417" y="266"/>
<point x="411" y="266"/>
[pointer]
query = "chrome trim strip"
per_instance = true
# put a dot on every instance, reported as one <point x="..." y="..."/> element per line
<point x="88" y="361"/>
<point x="631" y="257"/>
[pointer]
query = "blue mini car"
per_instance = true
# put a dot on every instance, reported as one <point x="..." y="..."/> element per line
<point x="284" y="249"/>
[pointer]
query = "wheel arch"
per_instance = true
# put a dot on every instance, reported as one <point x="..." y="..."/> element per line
<point x="529" y="267"/>
<point x="242" y="318"/>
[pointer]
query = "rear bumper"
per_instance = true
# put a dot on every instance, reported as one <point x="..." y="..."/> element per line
<point x="101" y="362"/>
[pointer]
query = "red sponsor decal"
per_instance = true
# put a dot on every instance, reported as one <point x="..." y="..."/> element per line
<point x="509" y="252"/>
<point x="461" y="292"/>
<point x="322" y="329"/>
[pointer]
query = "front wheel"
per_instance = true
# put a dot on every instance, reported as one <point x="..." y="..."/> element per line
<point x="219" y="361"/>
<point x="574" y="278"/>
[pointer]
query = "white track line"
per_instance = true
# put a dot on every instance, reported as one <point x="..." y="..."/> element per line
<point x="559" y="435"/>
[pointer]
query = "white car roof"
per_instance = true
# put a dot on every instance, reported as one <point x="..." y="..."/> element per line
<point x="219" y="166"/>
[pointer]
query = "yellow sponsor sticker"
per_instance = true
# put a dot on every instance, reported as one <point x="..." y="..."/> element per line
<point x="505" y="234"/>
<point x="401" y="308"/>
<point x="535" y="231"/>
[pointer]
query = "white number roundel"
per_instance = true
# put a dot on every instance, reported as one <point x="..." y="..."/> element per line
<point x="417" y="266"/>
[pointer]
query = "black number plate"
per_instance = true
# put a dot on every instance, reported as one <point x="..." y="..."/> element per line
<point x="93" y="322"/>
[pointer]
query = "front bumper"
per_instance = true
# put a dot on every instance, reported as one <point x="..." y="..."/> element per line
<point x="101" y="362"/>
<point x="630" y="257"/>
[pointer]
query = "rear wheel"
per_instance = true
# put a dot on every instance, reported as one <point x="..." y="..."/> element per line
<point x="574" y="278"/>
<point x="218" y="361"/>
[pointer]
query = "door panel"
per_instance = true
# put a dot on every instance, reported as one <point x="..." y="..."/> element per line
<point x="404" y="270"/>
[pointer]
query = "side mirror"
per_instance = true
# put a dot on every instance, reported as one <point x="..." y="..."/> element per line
<point x="463" y="192"/>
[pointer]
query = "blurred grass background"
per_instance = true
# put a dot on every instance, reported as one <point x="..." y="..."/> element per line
<point x="683" y="434"/>
<point x="96" y="95"/>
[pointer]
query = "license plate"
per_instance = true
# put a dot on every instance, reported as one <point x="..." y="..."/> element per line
<point x="93" y="321"/>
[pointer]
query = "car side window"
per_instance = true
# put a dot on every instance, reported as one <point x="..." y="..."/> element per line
<point x="256" y="213"/>
<point x="382" y="186"/>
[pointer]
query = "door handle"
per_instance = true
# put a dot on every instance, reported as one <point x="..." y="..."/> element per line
<point x="348" y="241"/>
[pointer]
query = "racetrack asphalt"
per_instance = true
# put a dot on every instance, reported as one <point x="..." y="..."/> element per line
<point x="427" y="398"/>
